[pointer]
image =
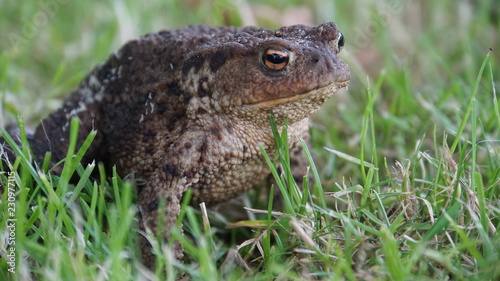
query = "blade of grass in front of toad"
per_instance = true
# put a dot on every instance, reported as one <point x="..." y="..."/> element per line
<point x="368" y="124"/>
<point x="84" y="177"/>
<point x="283" y="155"/>
<point x="279" y="182"/>
<point x="392" y="255"/>
<point x="72" y="160"/>
<point x="25" y="173"/>
<point x="120" y="219"/>
<point x="317" y="187"/>
<point x="200" y="248"/>
<point x="58" y="195"/>
<point x="24" y="161"/>
<point x="440" y="225"/>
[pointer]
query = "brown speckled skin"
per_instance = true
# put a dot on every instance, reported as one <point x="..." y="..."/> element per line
<point x="188" y="108"/>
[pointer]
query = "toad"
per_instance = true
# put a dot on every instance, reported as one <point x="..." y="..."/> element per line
<point x="188" y="109"/>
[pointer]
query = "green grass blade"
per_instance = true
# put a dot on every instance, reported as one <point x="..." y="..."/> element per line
<point x="470" y="104"/>
<point x="453" y="211"/>
<point x="391" y="255"/>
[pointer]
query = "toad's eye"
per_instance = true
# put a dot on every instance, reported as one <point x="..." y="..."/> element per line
<point x="275" y="59"/>
<point x="340" y="43"/>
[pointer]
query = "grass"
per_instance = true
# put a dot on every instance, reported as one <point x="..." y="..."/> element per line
<point x="407" y="189"/>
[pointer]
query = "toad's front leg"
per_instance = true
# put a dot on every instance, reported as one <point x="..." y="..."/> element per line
<point x="175" y="169"/>
<point x="160" y="203"/>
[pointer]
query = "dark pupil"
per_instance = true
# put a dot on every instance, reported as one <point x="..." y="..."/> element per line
<point x="341" y="40"/>
<point x="276" y="58"/>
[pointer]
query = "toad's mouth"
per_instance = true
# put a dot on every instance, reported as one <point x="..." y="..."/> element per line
<point x="316" y="95"/>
